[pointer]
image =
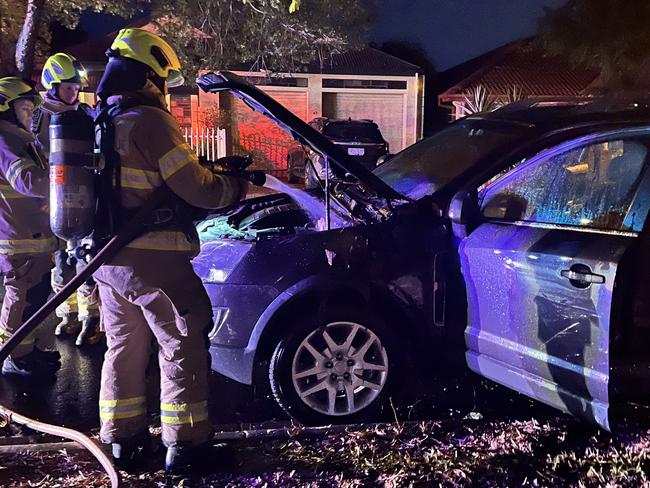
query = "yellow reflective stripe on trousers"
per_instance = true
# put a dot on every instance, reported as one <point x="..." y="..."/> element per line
<point x="8" y="193"/>
<point x="139" y="179"/>
<point x="27" y="246"/>
<point x="5" y="335"/>
<point x="87" y="303"/>
<point x="122" y="402"/>
<point x="125" y="408"/>
<point x="16" y="168"/>
<point x="175" y="159"/>
<point x="163" y="241"/>
<point x="184" y="413"/>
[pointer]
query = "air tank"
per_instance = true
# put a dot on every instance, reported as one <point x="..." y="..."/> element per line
<point x="72" y="179"/>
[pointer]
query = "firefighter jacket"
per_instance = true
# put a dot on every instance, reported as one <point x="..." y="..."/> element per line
<point x="43" y="114"/>
<point x="24" y="190"/>
<point x="152" y="152"/>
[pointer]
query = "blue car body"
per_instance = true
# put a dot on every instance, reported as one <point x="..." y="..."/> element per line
<point x="541" y="291"/>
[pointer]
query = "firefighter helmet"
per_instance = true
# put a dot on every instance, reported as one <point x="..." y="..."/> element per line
<point x="148" y="48"/>
<point x="62" y="67"/>
<point x="13" y="88"/>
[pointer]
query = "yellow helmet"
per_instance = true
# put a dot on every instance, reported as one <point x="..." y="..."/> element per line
<point x="14" y="88"/>
<point x="63" y="67"/>
<point x="147" y="48"/>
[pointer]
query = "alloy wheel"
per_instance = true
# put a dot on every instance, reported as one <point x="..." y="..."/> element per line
<point x="340" y="369"/>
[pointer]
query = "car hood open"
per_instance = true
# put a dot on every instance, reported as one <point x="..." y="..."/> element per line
<point x="261" y="102"/>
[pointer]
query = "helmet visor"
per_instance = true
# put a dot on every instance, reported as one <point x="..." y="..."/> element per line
<point x="81" y="73"/>
<point x="175" y="79"/>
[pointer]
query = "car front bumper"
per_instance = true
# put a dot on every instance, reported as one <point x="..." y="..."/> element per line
<point x="236" y="311"/>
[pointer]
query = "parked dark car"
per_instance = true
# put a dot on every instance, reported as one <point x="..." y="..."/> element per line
<point x="360" y="139"/>
<point x="541" y="208"/>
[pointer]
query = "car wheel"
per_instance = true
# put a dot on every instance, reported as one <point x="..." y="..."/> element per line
<point x="338" y="369"/>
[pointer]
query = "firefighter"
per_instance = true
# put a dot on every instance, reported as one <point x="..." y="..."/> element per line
<point x="149" y="290"/>
<point x="26" y="241"/>
<point x="63" y="77"/>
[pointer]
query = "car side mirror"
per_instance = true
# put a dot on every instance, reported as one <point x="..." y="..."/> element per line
<point x="384" y="159"/>
<point x="464" y="208"/>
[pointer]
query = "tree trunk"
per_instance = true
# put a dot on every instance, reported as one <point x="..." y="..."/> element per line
<point x="26" y="44"/>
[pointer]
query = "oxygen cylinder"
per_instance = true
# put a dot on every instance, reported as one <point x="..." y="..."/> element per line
<point x="72" y="189"/>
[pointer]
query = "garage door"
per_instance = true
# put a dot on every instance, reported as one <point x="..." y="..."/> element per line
<point x="386" y="110"/>
<point x="296" y="101"/>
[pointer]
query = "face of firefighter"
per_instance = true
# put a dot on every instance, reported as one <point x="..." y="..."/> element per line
<point x="69" y="92"/>
<point x="24" y="110"/>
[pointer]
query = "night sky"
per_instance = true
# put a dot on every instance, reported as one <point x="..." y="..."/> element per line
<point x="448" y="31"/>
<point x="454" y="31"/>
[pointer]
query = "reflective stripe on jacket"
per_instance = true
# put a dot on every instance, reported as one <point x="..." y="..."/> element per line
<point x="152" y="152"/>
<point x="24" y="189"/>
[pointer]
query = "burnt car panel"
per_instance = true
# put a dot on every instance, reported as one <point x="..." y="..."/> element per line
<point x="542" y="281"/>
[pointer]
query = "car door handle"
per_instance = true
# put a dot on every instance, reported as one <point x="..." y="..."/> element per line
<point x="583" y="277"/>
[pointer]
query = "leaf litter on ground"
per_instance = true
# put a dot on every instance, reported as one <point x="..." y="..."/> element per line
<point x="460" y="452"/>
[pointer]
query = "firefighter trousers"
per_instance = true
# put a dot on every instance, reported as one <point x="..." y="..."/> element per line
<point x="155" y="297"/>
<point x="84" y="302"/>
<point x="27" y="287"/>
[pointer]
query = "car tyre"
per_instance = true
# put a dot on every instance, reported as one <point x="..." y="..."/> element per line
<point x="324" y="361"/>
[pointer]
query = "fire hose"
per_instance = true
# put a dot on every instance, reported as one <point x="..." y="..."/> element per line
<point x="108" y="251"/>
<point x="128" y="232"/>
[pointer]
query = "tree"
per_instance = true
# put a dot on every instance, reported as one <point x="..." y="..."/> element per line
<point x="262" y="34"/>
<point x="12" y="13"/>
<point x="609" y="35"/>
<point x="26" y="44"/>
<point x="205" y="33"/>
<point x="34" y="16"/>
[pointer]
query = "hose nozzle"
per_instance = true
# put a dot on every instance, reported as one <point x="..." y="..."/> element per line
<point x="235" y="166"/>
<point x="256" y="177"/>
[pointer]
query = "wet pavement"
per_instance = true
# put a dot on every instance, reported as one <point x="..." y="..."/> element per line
<point x="71" y="400"/>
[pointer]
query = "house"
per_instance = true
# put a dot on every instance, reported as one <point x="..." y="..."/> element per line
<point x="358" y="84"/>
<point x="522" y="65"/>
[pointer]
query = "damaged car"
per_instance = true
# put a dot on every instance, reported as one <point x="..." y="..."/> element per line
<point x="518" y="230"/>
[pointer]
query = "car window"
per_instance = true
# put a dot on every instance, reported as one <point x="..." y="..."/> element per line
<point x="428" y="165"/>
<point x="346" y="131"/>
<point x="590" y="186"/>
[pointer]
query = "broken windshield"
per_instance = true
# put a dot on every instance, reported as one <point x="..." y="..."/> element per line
<point x="430" y="164"/>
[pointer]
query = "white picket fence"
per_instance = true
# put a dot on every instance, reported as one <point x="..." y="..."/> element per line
<point x="207" y="141"/>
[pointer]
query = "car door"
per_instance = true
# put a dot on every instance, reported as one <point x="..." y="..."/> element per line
<point x="540" y="268"/>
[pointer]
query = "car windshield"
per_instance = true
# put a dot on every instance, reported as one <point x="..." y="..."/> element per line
<point x="352" y="131"/>
<point x="427" y="166"/>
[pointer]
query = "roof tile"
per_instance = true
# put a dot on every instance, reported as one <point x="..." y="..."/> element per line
<point x="527" y="68"/>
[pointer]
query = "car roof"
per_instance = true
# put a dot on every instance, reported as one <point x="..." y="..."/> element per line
<point x="549" y="115"/>
<point x="351" y="121"/>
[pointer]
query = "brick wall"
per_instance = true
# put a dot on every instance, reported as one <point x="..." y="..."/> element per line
<point x="181" y="109"/>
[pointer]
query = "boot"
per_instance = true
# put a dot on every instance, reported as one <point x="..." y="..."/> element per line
<point x="67" y="326"/>
<point x="30" y="365"/>
<point x="181" y="458"/>
<point x="90" y="333"/>
<point x="132" y="453"/>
